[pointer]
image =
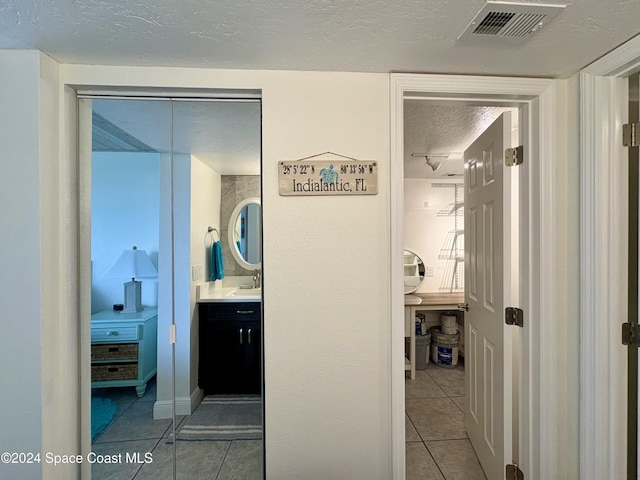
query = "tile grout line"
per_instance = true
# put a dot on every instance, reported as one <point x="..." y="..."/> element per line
<point x="223" y="460"/>
<point x="424" y="442"/>
<point x="142" y="465"/>
<point x="433" y="458"/>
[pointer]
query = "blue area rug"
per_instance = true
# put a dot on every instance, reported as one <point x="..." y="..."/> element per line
<point x="102" y="412"/>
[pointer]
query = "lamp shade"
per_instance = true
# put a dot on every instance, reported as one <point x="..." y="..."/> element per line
<point x="131" y="264"/>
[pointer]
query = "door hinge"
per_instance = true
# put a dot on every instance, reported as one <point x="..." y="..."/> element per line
<point x="630" y="133"/>
<point x="514" y="156"/>
<point x="514" y="316"/>
<point x="513" y="472"/>
<point x="463" y="306"/>
<point x="631" y="334"/>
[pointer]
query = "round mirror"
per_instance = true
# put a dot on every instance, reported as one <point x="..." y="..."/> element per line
<point x="413" y="271"/>
<point x="245" y="230"/>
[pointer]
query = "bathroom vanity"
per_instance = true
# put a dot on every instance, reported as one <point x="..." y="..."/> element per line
<point x="230" y="341"/>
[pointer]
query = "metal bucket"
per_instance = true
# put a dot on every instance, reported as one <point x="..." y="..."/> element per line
<point x="444" y="348"/>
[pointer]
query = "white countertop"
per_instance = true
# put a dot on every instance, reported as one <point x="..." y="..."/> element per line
<point x="211" y="292"/>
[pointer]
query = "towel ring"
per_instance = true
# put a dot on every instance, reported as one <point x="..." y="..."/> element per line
<point x="209" y="233"/>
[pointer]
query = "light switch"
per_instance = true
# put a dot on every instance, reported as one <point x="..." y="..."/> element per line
<point x="196" y="272"/>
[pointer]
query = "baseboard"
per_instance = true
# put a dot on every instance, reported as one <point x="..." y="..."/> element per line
<point x="184" y="405"/>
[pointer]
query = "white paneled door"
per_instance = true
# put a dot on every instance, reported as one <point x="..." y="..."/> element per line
<point x="488" y="411"/>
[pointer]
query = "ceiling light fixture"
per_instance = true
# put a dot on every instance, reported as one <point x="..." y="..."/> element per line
<point x="434" y="164"/>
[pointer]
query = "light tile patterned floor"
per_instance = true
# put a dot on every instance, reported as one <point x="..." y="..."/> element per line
<point x="437" y="445"/>
<point x="135" y="431"/>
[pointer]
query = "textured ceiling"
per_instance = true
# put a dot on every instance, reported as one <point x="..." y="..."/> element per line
<point x="226" y="135"/>
<point x="222" y="134"/>
<point x="327" y="35"/>
<point x="338" y="35"/>
<point x="444" y="132"/>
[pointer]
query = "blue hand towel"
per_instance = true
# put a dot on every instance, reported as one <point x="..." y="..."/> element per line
<point x="217" y="266"/>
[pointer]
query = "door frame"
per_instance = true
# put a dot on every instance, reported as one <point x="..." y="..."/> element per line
<point x="603" y="261"/>
<point x="543" y="445"/>
<point x="79" y="114"/>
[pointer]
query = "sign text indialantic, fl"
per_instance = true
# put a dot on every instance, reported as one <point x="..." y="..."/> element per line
<point x="328" y="177"/>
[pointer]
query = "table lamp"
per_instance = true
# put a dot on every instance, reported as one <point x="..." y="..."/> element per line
<point x="131" y="264"/>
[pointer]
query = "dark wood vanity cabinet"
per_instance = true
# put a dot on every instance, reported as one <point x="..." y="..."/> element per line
<point x="230" y="347"/>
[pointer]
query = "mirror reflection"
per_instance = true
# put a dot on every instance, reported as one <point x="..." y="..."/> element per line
<point x="413" y="271"/>
<point x="244" y="233"/>
<point x="131" y="148"/>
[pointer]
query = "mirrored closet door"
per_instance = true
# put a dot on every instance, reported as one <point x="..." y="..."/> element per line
<point x="176" y="309"/>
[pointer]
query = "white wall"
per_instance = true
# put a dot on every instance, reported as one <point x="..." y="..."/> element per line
<point x="206" y="187"/>
<point x="125" y="207"/>
<point x="427" y="232"/>
<point x="21" y="294"/>
<point x="196" y="206"/>
<point x="326" y="268"/>
<point x="326" y="284"/>
<point x="180" y="283"/>
<point x="39" y="344"/>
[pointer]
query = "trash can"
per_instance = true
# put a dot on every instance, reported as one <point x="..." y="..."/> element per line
<point x="422" y="351"/>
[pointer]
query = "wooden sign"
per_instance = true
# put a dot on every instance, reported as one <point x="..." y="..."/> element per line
<point x="342" y="176"/>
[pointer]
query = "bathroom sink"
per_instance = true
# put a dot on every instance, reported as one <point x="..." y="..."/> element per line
<point x="245" y="292"/>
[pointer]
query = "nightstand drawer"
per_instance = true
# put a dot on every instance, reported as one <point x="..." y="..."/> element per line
<point x="116" y="371"/>
<point x="116" y="351"/>
<point x="115" y="334"/>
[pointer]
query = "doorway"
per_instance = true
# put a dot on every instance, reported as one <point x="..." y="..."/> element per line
<point x="191" y="150"/>
<point x="534" y="99"/>
<point x="450" y="137"/>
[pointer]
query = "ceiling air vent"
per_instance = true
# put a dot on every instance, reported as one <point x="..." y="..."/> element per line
<point x="510" y="20"/>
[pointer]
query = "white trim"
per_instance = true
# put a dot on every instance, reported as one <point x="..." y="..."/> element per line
<point x="540" y="95"/>
<point x="396" y="175"/>
<point x="81" y="138"/>
<point x="184" y="405"/>
<point x="621" y="62"/>
<point x="603" y="254"/>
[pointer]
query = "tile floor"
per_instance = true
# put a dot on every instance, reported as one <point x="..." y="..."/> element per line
<point x="438" y="447"/>
<point x="134" y="431"/>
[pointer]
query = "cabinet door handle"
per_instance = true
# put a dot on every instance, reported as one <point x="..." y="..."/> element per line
<point x="240" y="336"/>
<point x="245" y="312"/>
<point x="249" y="336"/>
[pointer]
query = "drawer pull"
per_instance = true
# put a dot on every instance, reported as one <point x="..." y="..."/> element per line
<point x="111" y="334"/>
<point x="249" y="336"/>
<point x="240" y="336"/>
<point x="245" y="312"/>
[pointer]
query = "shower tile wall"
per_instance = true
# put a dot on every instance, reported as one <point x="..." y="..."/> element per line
<point x="234" y="189"/>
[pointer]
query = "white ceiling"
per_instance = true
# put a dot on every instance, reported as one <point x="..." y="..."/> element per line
<point x="225" y="135"/>
<point x="327" y="35"/>
<point x="346" y="35"/>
